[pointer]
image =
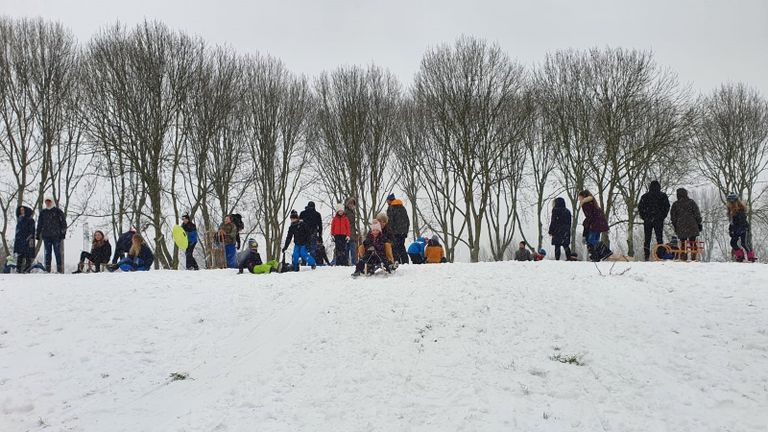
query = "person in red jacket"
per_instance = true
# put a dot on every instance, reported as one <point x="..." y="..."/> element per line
<point x="340" y="231"/>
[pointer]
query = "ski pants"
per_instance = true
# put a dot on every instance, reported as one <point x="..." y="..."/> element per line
<point x="567" y="250"/>
<point x="739" y="241"/>
<point x="190" y="258"/>
<point x="398" y="249"/>
<point x="300" y="251"/>
<point x="341" y="253"/>
<point x="230" y="251"/>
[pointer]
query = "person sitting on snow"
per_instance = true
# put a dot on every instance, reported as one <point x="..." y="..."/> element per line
<point x="140" y="257"/>
<point x="434" y="252"/>
<point x="99" y="255"/>
<point x="540" y="255"/>
<point x="251" y="258"/>
<point x="375" y="252"/>
<point x="416" y="250"/>
<point x="522" y="253"/>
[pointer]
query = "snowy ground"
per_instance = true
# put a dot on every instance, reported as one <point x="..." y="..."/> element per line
<point x="664" y="347"/>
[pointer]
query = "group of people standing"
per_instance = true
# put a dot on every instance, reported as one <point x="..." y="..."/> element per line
<point x="51" y="229"/>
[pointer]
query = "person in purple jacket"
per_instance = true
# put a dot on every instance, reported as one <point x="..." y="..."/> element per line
<point x="595" y="223"/>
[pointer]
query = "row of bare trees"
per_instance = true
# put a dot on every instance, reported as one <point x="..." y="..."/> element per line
<point x="141" y="125"/>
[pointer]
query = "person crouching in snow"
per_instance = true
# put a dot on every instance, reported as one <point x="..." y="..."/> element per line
<point x="140" y="257"/>
<point x="374" y="252"/>
<point x="416" y="250"/>
<point x="739" y="229"/>
<point x="522" y="253"/>
<point x="341" y="231"/>
<point x="595" y="223"/>
<point x="434" y="252"/>
<point x="299" y="232"/>
<point x="540" y="255"/>
<point x="251" y="259"/>
<point x="100" y="252"/>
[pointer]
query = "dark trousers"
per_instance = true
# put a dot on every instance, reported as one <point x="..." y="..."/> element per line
<point x="87" y="256"/>
<point x="739" y="241"/>
<point x="54" y="246"/>
<point x="416" y="258"/>
<point x="651" y="227"/>
<point x="340" y="250"/>
<point x="372" y="260"/>
<point x="398" y="249"/>
<point x="190" y="258"/>
<point x="567" y="250"/>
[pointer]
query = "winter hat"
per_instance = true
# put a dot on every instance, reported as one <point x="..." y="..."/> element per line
<point x="655" y="186"/>
<point x="375" y="226"/>
<point x="253" y="244"/>
<point x="311" y="205"/>
<point x="732" y="197"/>
<point x="383" y="218"/>
<point x="542" y="252"/>
<point x="185" y="216"/>
<point x="435" y="239"/>
<point x="339" y="207"/>
<point x="294" y="214"/>
<point x="390" y="197"/>
<point x="682" y="193"/>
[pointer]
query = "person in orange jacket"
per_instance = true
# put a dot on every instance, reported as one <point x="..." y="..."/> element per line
<point x="434" y="253"/>
<point x="340" y="230"/>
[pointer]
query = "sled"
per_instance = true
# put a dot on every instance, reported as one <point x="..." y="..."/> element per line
<point x="679" y="253"/>
<point x="619" y="258"/>
<point x="180" y="237"/>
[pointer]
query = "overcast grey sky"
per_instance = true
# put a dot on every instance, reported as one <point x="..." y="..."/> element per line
<point x="707" y="42"/>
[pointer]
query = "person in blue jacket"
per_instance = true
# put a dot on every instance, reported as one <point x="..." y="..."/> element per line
<point x="191" y="229"/>
<point x="416" y="250"/>
<point x="140" y="256"/>
<point x="24" y="242"/>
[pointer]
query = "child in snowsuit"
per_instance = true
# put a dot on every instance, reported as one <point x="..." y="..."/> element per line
<point x="140" y="257"/>
<point x="341" y="232"/>
<point x="560" y="228"/>
<point x="595" y="223"/>
<point x="386" y="235"/>
<point x="300" y="234"/>
<point x="416" y="250"/>
<point x="191" y="229"/>
<point x="24" y="242"/>
<point x="251" y="259"/>
<point x="739" y="229"/>
<point x="99" y="254"/>
<point x="434" y="252"/>
<point x="374" y="252"/>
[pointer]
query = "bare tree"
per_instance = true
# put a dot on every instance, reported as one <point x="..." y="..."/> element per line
<point x="472" y="91"/>
<point x="731" y="140"/>
<point x="279" y="107"/>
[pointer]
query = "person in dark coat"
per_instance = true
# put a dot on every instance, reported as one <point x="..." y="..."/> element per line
<point x="560" y="228"/>
<point x="314" y="223"/>
<point x="300" y="233"/>
<point x="191" y="229"/>
<point x="24" y="241"/>
<point x="738" y="229"/>
<point x="375" y="252"/>
<point x="686" y="219"/>
<point x="399" y="223"/>
<point x="140" y="256"/>
<point x="52" y="229"/>
<point x="595" y="223"/>
<point x="100" y="252"/>
<point x="251" y="259"/>
<point x="350" y="209"/>
<point x="653" y="208"/>
<point x="123" y="245"/>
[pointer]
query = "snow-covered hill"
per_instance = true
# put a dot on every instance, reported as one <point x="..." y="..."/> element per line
<point x="465" y="347"/>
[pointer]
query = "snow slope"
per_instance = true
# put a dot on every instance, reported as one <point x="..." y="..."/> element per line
<point x="461" y="347"/>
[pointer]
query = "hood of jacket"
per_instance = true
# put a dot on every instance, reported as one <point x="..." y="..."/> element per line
<point x="396" y="202"/>
<point x="682" y="193"/>
<point x="655" y="187"/>
<point x="27" y="211"/>
<point x="559" y="202"/>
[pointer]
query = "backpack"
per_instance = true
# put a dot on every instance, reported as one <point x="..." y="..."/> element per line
<point x="237" y="219"/>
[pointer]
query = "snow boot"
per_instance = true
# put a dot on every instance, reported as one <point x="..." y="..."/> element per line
<point x="751" y="256"/>
<point x="738" y="255"/>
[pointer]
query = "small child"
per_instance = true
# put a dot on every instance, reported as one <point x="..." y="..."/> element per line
<point x="252" y="257"/>
<point x="434" y="253"/>
<point x="374" y="252"/>
<point x="540" y="255"/>
<point x="416" y="250"/>
<point x="739" y="229"/>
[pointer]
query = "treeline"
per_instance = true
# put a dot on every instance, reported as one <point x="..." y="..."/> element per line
<point x="141" y="125"/>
